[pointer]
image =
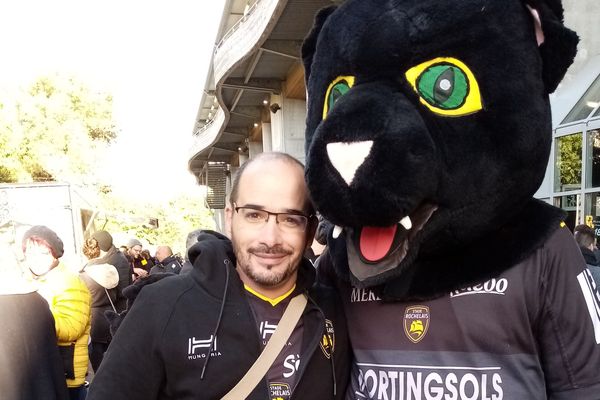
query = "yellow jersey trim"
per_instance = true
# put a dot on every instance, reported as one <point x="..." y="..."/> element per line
<point x="274" y="301"/>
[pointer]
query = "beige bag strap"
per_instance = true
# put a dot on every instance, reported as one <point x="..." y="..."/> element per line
<point x="285" y="327"/>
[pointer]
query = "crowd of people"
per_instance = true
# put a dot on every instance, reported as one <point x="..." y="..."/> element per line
<point x="56" y="318"/>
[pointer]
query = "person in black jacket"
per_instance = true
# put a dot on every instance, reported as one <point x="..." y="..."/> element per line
<point x="31" y="365"/>
<point x="109" y="254"/>
<point x="166" y="261"/>
<point x="584" y="236"/>
<point x="101" y="280"/>
<point x="194" y="336"/>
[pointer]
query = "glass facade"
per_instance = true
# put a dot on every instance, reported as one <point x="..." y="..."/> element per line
<point x="575" y="175"/>
<point x="571" y="204"/>
<point x="592" y="211"/>
<point x="593" y="159"/>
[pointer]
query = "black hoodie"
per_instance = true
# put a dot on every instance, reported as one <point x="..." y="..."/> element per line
<point x="160" y="350"/>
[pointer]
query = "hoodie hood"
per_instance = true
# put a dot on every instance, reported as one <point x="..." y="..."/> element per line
<point x="105" y="275"/>
<point x="214" y="264"/>
<point x="214" y="252"/>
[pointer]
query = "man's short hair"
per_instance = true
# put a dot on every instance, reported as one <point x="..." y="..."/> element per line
<point x="584" y="235"/>
<point x="274" y="155"/>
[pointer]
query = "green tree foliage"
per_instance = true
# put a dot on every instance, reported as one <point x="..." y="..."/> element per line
<point x="59" y="129"/>
<point x="54" y="129"/>
<point x="176" y="218"/>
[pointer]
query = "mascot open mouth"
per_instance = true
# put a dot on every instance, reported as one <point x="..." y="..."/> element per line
<point x="376" y="243"/>
<point x="373" y="250"/>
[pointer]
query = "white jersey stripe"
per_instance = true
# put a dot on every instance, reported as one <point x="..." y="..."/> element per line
<point x="591" y="302"/>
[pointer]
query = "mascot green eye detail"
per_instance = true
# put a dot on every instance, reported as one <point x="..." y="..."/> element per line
<point x="337" y="88"/>
<point x="446" y="86"/>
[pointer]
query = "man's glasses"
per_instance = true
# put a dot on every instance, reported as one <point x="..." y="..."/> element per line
<point x="287" y="222"/>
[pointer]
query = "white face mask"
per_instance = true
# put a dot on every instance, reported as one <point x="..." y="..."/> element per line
<point x="39" y="259"/>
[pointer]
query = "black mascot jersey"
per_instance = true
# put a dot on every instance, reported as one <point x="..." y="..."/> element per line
<point x="485" y="341"/>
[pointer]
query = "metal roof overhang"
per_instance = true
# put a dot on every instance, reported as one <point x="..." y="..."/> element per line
<point x="236" y="102"/>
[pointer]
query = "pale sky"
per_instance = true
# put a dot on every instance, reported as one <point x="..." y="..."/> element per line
<point x="153" y="56"/>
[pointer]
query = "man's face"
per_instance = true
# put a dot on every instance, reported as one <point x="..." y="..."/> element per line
<point x="161" y="254"/>
<point x="269" y="254"/>
<point x="135" y="251"/>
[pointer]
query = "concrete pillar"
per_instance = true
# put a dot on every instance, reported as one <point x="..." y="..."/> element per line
<point x="293" y="127"/>
<point x="255" y="148"/>
<point x="277" y="124"/>
<point x="266" y="137"/>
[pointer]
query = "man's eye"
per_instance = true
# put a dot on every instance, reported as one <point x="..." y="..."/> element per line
<point x="292" y="220"/>
<point x="253" y="216"/>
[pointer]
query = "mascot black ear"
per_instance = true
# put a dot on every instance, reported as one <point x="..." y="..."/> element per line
<point x="310" y="42"/>
<point x="559" y="44"/>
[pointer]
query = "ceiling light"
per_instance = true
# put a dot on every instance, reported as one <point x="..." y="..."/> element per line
<point x="256" y="124"/>
<point x="265" y="102"/>
<point x="592" y="104"/>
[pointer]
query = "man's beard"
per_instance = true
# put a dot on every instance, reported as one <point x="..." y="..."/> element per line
<point x="265" y="276"/>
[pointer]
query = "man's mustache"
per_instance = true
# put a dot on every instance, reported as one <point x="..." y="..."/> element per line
<point x="269" y="250"/>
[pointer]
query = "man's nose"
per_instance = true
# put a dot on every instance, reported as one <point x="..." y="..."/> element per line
<point x="270" y="233"/>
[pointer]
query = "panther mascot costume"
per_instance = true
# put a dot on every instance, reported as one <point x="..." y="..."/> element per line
<point x="428" y="132"/>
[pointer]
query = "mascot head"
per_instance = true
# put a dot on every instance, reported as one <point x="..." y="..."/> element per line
<point x="428" y="132"/>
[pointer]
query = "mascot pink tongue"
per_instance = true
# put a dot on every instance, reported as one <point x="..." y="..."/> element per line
<point x="375" y="242"/>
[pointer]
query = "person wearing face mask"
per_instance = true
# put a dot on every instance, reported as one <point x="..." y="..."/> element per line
<point x="69" y="301"/>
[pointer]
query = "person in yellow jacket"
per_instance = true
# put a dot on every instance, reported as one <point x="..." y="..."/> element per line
<point x="69" y="301"/>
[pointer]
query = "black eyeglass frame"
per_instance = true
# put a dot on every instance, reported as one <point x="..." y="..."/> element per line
<point x="307" y="218"/>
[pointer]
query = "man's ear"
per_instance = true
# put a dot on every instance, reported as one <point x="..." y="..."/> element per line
<point x="310" y="42"/>
<point x="560" y="43"/>
<point x="228" y="217"/>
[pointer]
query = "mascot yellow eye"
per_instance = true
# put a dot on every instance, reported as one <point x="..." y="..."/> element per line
<point x="446" y="86"/>
<point x="337" y="88"/>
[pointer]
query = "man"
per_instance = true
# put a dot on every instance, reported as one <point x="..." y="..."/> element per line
<point x="584" y="236"/>
<point x="139" y="265"/>
<point x="69" y="301"/>
<point x="195" y="335"/>
<point x="109" y="254"/>
<point x="167" y="262"/>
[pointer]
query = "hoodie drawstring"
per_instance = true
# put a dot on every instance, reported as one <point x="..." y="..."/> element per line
<point x="214" y="335"/>
<point x="332" y="368"/>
